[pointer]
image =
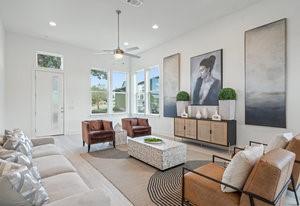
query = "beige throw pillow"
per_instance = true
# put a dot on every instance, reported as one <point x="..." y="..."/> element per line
<point x="280" y="141"/>
<point x="19" y="187"/>
<point x="240" y="167"/>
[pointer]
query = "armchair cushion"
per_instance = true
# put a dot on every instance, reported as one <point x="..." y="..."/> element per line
<point x="143" y="122"/>
<point x="201" y="191"/>
<point x="95" y="125"/>
<point x="240" y="167"/>
<point x="280" y="141"/>
<point x="134" y="122"/>
<point x="140" y="128"/>
<point x="95" y="134"/>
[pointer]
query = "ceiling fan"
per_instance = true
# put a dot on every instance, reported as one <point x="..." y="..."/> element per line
<point x="118" y="52"/>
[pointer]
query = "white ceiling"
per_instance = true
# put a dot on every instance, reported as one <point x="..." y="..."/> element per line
<point x="92" y="23"/>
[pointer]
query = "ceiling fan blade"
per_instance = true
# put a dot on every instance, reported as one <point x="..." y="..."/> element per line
<point x="106" y="52"/>
<point x="131" y="55"/>
<point x="132" y="49"/>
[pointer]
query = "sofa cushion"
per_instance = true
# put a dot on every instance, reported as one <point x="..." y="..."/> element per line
<point x="53" y="165"/>
<point x="64" y="185"/>
<point x="91" y="198"/>
<point x="201" y="191"/>
<point x="95" y="125"/>
<point x="19" y="187"/>
<point x="45" y="150"/>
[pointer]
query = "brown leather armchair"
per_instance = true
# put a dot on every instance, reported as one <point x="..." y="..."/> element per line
<point x="97" y="131"/>
<point x="136" y="127"/>
<point x="266" y="184"/>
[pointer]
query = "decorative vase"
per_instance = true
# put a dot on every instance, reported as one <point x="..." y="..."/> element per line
<point x="204" y="113"/>
<point x="198" y="114"/>
<point x="181" y="107"/>
<point x="184" y="114"/>
<point x="227" y="109"/>
<point x="216" y="116"/>
<point x="190" y="111"/>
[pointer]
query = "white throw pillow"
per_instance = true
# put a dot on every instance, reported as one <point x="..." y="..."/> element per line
<point x="20" y="158"/>
<point x="280" y="141"/>
<point x="240" y="167"/>
<point x="19" y="187"/>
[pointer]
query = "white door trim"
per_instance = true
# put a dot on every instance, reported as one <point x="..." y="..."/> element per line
<point x="33" y="120"/>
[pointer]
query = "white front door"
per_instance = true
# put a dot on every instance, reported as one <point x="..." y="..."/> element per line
<point x="49" y="103"/>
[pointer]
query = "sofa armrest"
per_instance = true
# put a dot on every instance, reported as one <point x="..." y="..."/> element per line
<point x="42" y="141"/>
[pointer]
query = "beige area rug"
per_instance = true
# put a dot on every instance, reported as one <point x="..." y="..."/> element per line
<point x="132" y="176"/>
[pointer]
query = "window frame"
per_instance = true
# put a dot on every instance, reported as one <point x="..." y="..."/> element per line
<point x="49" y="54"/>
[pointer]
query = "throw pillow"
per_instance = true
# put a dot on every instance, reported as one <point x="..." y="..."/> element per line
<point x="280" y="141"/>
<point x="15" y="142"/>
<point x="240" y="167"/>
<point x="19" y="187"/>
<point x="20" y="158"/>
<point x="19" y="133"/>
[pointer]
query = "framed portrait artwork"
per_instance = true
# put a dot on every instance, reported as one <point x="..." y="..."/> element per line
<point x="206" y="78"/>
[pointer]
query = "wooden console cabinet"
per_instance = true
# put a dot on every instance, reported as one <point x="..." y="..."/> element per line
<point x="215" y="132"/>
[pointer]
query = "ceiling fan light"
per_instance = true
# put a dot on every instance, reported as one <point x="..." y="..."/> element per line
<point x="118" y="56"/>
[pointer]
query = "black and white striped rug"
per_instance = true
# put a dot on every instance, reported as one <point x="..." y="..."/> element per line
<point x="165" y="187"/>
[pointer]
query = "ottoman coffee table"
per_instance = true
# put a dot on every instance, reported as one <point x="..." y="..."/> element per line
<point x="163" y="156"/>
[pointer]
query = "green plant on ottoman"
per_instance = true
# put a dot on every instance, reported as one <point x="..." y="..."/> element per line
<point x="182" y="102"/>
<point x="227" y="99"/>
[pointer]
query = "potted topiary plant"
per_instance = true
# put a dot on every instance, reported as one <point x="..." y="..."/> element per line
<point x="182" y="102"/>
<point x="227" y="99"/>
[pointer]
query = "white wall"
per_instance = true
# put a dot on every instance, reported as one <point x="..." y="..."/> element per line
<point x="20" y="64"/>
<point x="2" y="74"/>
<point x="228" y="33"/>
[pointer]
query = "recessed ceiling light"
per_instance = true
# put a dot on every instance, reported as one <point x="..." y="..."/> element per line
<point x="155" y="26"/>
<point x="126" y="43"/>
<point x="52" y="23"/>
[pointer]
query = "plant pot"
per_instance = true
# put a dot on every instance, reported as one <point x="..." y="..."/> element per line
<point x="181" y="107"/>
<point x="227" y="109"/>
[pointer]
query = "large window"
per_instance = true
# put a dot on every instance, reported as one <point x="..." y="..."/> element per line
<point x="119" y="91"/>
<point x="140" y="99"/>
<point x="99" y="91"/>
<point x="147" y="91"/>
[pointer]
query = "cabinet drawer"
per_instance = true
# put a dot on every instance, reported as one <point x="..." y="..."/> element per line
<point x="219" y="133"/>
<point x="179" y="127"/>
<point x="203" y="130"/>
<point x="191" y="128"/>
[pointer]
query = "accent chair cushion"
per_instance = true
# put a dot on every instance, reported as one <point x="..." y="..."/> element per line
<point x="143" y="122"/>
<point x="240" y="167"/>
<point x="134" y="122"/>
<point x="45" y="150"/>
<point x="95" y="125"/>
<point x="280" y="141"/>
<point x="201" y="191"/>
<point x="53" y="165"/>
<point x="19" y="187"/>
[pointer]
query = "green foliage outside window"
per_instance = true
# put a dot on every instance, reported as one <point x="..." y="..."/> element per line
<point x="48" y="61"/>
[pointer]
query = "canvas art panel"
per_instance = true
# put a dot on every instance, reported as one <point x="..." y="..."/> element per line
<point x="171" y="78"/>
<point x="206" y="78"/>
<point x="265" y="67"/>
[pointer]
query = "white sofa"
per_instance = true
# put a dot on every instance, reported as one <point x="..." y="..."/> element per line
<point x="60" y="179"/>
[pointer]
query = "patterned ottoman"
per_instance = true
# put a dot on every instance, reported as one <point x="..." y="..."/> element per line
<point x="162" y="156"/>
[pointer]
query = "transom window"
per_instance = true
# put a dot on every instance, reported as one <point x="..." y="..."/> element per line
<point x="49" y="61"/>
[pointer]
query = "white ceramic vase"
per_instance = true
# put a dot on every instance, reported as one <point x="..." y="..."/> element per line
<point x="198" y="114"/>
<point x="204" y="113"/>
<point x="181" y="106"/>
